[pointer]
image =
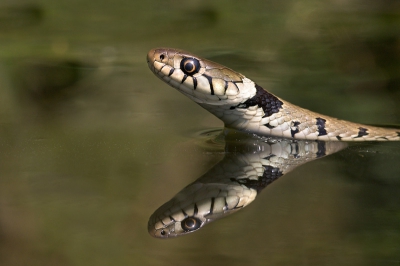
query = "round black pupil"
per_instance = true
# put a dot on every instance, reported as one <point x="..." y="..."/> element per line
<point x="189" y="67"/>
<point x="162" y="232"/>
<point x="190" y="223"/>
<point x="162" y="57"/>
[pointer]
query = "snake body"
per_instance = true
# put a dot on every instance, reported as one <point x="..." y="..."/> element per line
<point x="244" y="105"/>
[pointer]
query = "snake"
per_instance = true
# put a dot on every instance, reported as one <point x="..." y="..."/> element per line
<point x="244" y="105"/>
<point x="249" y="165"/>
<point x="294" y="136"/>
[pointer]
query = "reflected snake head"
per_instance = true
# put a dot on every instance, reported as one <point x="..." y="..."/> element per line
<point x="197" y="205"/>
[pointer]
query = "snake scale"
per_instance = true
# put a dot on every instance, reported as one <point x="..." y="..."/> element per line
<point x="244" y="105"/>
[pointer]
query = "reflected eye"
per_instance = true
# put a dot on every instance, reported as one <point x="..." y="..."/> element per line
<point x="190" y="66"/>
<point x="190" y="224"/>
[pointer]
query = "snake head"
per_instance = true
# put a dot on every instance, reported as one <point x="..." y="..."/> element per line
<point x="197" y="205"/>
<point x="203" y="81"/>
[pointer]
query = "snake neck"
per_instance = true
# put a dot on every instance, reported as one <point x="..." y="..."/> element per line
<point x="263" y="113"/>
<point x="248" y="112"/>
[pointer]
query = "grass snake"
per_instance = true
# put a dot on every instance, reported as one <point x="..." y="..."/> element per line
<point x="285" y="136"/>
<point x="244" y="105"/>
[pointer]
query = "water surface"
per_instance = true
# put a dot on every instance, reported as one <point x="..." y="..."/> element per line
<point x="91" y="142"/>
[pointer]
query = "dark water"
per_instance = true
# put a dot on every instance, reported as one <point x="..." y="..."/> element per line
<point x="91" y="143"/>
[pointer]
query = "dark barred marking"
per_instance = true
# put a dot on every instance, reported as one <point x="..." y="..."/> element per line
<point x="162" y="68"/>
<point x="194" y="83"/>
<point x="225" y="86"/>
<point x="172" y="218"/>
<point x="321" y="149"/>
<point x="270" y="175"/>
<point x="171" y="71"/>
<point x="210" y="82"/>
<point x="234" y="82"/>
<point x="362" y="132"/>
<point x="268" y="102"/>
<point x="184" y="78"/>
<point x="321" y="126"/>
<point x="212" y="205"/>
<point x="185" y="214"/>
<point x="398" y="133"/>
<point x="269" y="157"/>
<point x="269" y="126"/>
<point x="196" y="210"/>
<point x="294" y="125"/>
<point x="339" y="137"/>
<point x="226" y="207"/>
<point x="294" y="149"/>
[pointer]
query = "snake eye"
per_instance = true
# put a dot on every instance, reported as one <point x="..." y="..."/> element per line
<point x="190" y="66"/>
<point x="190" y="224"/>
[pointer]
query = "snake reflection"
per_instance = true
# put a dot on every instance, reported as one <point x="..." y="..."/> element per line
<point x="249" y="165"/>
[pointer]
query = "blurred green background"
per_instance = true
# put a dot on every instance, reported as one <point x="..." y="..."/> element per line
<point x="91" y="142"/>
